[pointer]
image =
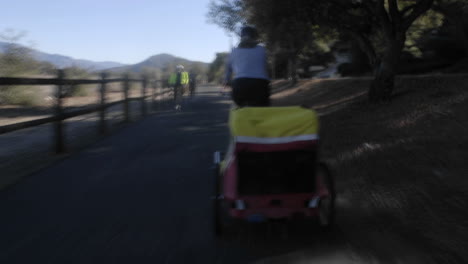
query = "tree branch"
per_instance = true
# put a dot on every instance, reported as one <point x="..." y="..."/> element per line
<point x="406" y="9"/>
<point x="366" y="46"/>
<point x="394" y="12"/>
<point x="382" y="15"/>
<point x="419" y="8"/>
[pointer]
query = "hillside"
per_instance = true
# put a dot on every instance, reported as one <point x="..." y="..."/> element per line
<point x="400" y="167"/>
<point x="159" y="61"/>
<point x="61" y="61"/>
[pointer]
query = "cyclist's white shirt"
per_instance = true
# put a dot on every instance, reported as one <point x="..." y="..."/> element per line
<point x="247" y="63"/>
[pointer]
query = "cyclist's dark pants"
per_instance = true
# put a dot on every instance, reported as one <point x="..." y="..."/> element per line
<point x="192" y="89"/>
<point x="178" y="92"/>
<point x="251" y="92"/>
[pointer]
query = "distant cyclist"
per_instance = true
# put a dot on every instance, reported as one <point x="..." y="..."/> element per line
<point x="178" y="81"/>
<point x="192" y="83"/>
<point x="247" y="64"/>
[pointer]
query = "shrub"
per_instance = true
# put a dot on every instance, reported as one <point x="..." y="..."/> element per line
<point x="20" y="95"/>
<point x="77" y="73"/>
<point x="79" y="91"/>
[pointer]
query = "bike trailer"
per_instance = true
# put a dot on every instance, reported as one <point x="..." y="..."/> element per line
<point x="271" y="169"/>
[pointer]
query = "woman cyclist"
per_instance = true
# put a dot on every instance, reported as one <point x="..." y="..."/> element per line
<point x="247" y="64"/>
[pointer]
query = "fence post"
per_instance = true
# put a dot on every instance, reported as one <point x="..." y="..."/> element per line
<point x="160" y="101"/>
<point x="153" y="98"/>
<point x="143" y="96"/>
<point x="59" y="133"/>
<point x="126" y="87"/>
<point x="102" y="107"/>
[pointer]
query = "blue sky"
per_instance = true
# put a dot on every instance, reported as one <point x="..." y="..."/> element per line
<point x="126" y="31"/>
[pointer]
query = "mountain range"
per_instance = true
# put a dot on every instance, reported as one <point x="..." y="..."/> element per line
<point x="160" y="61"/>
<point x="60" y="61"/>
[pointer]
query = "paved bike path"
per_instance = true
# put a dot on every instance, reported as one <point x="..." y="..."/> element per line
<point x="142" y="196"/>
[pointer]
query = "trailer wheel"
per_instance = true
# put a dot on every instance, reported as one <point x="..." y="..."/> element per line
<point x="326" y="206"/>
<point x="216" y="203"/>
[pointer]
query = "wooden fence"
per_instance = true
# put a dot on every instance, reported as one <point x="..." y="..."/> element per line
<point x="101" y="107"/>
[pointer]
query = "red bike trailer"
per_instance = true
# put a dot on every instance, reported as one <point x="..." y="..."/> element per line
<point x="271" y="170"/>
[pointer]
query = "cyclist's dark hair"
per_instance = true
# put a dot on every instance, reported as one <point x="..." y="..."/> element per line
<point x="249" y="37"/>
<point x="249" y="32"/>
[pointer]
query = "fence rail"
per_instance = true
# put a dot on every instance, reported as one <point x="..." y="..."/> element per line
<point x="57" y="81"/>
<point x="101" y="106"/>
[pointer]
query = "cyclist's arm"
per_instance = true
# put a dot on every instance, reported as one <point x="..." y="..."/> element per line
<point x="265" y="61"/>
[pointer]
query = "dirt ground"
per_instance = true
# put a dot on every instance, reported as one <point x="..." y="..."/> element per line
<point x="402" y="165"/>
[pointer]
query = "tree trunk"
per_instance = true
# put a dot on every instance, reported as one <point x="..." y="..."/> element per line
<point x="394" y="25"/>
<point x="366" y="46"/>
<point x="292" y="69"/>
<point x="456" y="15"/>
<point x="273" y="66"/>
<point x="461" y="33"/>
<point x="381" y="88"/>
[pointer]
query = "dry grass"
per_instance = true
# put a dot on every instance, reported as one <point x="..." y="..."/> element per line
<point x="404" y="160"/>
<point x="44" y="106"/>
<point x="20" y="95"/>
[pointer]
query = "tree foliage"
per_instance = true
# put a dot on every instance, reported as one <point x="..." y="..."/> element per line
<point x="227" y="14"/>
<point x="284" y="26"/>
<point x="217" y="67"/>
<point x="381" y="28"/>
<point x="16" y="61"/>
